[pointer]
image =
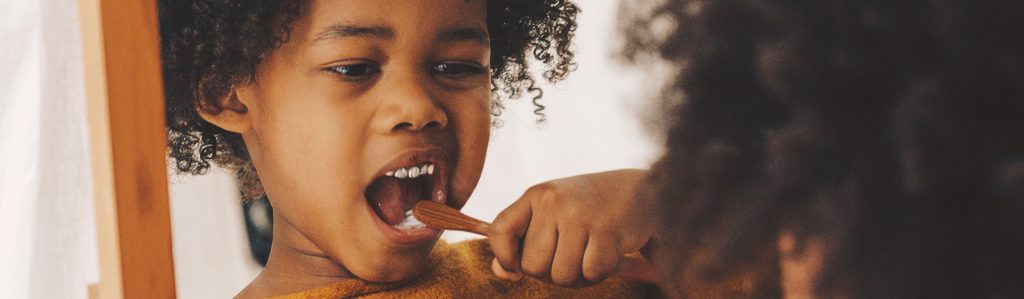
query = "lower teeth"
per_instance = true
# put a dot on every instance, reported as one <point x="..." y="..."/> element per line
<point x="410" y="222"/>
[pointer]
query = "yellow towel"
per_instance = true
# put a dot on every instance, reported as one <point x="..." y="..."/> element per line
<point x="463" y="270"/>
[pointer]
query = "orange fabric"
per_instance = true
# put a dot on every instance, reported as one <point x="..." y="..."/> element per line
<point x="463" y="270"/>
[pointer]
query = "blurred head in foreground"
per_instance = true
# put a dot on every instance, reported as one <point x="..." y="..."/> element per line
<point x="839" y="148"/>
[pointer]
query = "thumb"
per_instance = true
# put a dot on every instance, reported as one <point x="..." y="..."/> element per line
<point x="505" y="234"/>
<point x="637" y="269"/>
<point x="500" y="272"/>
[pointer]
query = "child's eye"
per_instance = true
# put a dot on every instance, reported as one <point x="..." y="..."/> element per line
<point x="457" y="70"/>
<point x="356" y="71"/>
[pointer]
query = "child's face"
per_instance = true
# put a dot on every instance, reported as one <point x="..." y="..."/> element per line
<point x="362" y="90"/>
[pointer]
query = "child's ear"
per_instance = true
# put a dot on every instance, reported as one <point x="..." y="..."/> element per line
<point x="232" y="114"/>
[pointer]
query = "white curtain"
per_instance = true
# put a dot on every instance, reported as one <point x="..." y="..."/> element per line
<point x="47" y="220"/>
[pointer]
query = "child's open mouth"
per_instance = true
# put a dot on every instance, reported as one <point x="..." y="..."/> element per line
<point x="393" y="195"/>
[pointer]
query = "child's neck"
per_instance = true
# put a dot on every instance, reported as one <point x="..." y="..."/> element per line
<point x="294" y="265"/>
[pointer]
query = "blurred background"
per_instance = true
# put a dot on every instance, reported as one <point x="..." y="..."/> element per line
<point x="594" y="123"/>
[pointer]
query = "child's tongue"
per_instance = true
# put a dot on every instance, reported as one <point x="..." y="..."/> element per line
<point x="391" y="197"/>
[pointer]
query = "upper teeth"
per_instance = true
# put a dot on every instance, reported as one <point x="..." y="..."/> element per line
<point x="412" y="172"/>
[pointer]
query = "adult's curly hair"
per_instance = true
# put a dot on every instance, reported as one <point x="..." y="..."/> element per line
<point x="890" y="131"/>
<point x="209" y="46"/>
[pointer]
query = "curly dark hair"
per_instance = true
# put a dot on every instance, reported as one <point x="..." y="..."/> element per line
<point x="890" y="131"/>
<point x="209" y="46"/>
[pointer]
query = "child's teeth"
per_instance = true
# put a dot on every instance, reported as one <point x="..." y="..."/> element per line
<point x="412" y="172"/>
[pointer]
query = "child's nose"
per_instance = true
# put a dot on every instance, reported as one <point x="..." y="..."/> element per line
<point x="410" y="107"/>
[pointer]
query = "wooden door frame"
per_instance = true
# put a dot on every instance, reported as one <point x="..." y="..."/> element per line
<point x="125" y="100"/>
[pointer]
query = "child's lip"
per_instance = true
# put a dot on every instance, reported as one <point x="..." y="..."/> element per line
<point x="414" y="157"/>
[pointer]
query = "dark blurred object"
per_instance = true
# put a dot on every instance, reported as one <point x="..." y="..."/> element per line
<point x="884" y="137"/>
<point x="259" y="225"/>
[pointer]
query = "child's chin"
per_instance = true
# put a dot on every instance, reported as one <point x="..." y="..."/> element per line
<point x="397" y="269"/>
<point x="397" y="275"/>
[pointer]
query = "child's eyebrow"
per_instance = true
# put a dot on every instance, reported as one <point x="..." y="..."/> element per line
<point x="465" y="34"/>
<point x="454" y="34"/>
<point x="338" y="31"/>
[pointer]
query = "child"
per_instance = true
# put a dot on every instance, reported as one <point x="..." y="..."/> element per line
<point x="841" y="148"/>
<point x="345" y="113"/>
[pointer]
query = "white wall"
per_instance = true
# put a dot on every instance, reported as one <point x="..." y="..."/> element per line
<point x="593" y="125"/>
<point x="211" y="255"/>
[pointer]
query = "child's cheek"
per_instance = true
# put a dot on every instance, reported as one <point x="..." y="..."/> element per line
<point x="473" y="130"/>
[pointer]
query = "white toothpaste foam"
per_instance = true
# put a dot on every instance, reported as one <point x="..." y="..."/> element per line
<point x="410" y="222"/>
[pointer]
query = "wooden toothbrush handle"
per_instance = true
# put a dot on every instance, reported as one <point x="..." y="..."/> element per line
<point x="480" y="228"/>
